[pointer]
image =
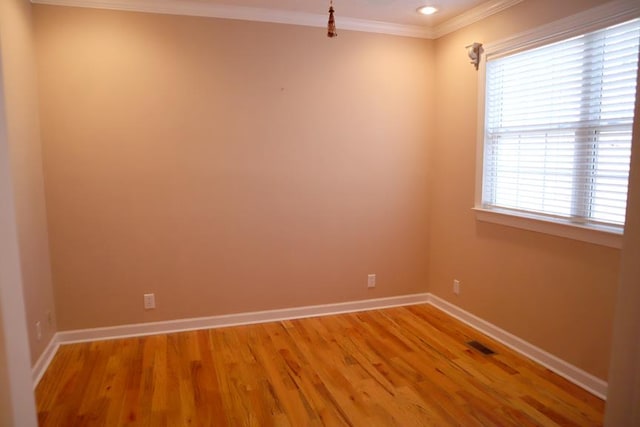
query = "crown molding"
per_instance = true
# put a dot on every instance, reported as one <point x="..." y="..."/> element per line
<point x="471" y="16"/>
<point x="211" y="10"/>
<point x="598" y="17"/>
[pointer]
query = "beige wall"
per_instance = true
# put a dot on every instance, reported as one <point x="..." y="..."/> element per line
<point x="6" y="409"/>
<point x="18" y="57"/>
<point x="232" y="166"/>
<point x="623" y="397"/>
<point x="229" y="166"/>
<point x="553" y="292"/>
<point x="17" y="406"/>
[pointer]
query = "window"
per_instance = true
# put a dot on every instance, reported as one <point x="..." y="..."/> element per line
<point x="558" y="128"/>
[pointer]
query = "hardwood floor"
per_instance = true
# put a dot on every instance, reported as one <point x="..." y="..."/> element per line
<point x="406" y="366"/>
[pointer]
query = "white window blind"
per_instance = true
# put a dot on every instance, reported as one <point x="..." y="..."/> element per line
<point x="558" y="125"/>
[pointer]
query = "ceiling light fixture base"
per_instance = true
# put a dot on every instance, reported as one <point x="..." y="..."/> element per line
<point x="426" y="10"/>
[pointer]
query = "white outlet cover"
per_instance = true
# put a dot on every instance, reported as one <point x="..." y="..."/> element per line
<point x="149" y="301"/>
<point x="371" y="281"/>
<point x="38" y="330"/>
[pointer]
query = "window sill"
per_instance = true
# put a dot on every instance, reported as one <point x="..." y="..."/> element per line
<point x="604" y="236"/>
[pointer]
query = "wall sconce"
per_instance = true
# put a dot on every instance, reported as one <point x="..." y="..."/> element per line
<point x="474" y="51"/>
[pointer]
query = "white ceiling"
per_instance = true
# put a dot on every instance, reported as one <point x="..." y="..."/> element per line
<point x="398" y="17"/>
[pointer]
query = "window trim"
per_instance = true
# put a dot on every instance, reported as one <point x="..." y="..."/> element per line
<point x="608" y="14"/>
<point x="600" y="235"/>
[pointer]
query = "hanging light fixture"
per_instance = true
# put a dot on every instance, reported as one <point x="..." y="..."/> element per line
<point x="331" y="27"/>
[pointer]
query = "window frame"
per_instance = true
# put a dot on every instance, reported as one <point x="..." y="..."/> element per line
<point x="594" y="19"/>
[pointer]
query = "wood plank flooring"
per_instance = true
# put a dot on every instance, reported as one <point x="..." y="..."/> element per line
<point x="406" y="366"/>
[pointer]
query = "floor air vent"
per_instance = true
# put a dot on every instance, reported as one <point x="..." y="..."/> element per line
<point x="481" y="348"/>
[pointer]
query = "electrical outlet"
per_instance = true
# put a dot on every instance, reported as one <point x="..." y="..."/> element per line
<point x="456" y="287"/>
<point x="149" y="301"/>
<point x="371" y="281"/>
<point x="38" y="330"/>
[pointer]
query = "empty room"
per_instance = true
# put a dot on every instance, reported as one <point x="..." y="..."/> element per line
<point x="292" y="213"/>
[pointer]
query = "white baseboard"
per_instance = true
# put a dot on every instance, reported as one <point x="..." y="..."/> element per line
<point x="557" y="365"/>
<point x="566" y="370"/>
<point x="141" y="329"/>
<point x="41" y="365"/>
